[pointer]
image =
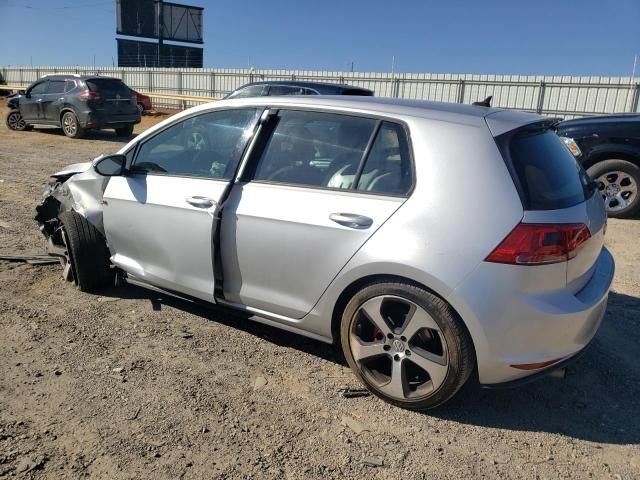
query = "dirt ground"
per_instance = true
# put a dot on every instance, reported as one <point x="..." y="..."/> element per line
<point x="126" y="384"/>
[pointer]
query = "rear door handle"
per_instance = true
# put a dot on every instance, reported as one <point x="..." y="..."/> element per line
<point x="200" y="202"/>
<point x="351" y="220"/>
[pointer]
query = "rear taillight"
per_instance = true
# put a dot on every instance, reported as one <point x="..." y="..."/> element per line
<point x="540" y="244"/>
<point x="89" y="95"/>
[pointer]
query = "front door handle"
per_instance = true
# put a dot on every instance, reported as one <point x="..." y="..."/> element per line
<point x="351" y="220"/>
<point x="200" y="202"/>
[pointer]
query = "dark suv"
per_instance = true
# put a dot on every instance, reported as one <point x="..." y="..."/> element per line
<point x="608" y="146"/>
<point x="292" y="87"/>
<point x="76" y="103"/>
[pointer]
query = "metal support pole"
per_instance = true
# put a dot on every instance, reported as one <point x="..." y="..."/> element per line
<point x="461" y="91"/>
<point x="396" y="87"/>
<point x="635" y="98"/>
<point x="212" y="84"/>
<point x="150" y="81"/>
<point x="21" y="79"/>
<point x="541" y="91"/>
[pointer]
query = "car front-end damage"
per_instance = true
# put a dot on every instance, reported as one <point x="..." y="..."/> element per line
<point x="78" y="188"/>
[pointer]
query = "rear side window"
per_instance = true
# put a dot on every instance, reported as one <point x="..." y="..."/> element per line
<point x="546" y="173"/>
<point x="250" y="91"/>
<point x="108" y="87"/>
<point x="276" y="90"/>
<point x="388" y="166"/>
<point x="327" y="150"/>
<point x="69" y="85"/>
<point x="55" y="86"/>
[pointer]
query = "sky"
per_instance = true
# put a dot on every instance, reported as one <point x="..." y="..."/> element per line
<point x="528" y="37"/>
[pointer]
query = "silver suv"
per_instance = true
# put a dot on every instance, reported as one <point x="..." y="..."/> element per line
<point x="431" y="240"/>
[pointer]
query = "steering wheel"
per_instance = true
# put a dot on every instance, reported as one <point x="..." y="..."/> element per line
<point x="197" y="140"/>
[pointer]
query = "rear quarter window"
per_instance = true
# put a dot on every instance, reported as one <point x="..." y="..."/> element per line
<point x="547" y="175"/>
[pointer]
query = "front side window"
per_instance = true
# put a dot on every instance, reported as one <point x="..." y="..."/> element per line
<point x="39" y="89"/>
<point x="55" y="86"/>
<point x="209" y="145"/>
<point x="315" y="149"/>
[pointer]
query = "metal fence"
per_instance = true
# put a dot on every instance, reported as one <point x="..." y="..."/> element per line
<point x="564" y="96"/>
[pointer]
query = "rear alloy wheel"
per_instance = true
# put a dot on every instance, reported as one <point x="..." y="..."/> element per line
<point x="71" y="127"/>
<point x="618" y="183"/>
<point x="141" y="109"/>
<point x="124" y="131"/>
<point x="16" y="122"/>
<point x="406" y="345"/>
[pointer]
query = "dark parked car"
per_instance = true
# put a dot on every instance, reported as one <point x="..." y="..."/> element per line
<point x="609" y="148"/>
<point x="277" y="87"/>
<point x="76" y="103"/>
<point x="143" y="101"/>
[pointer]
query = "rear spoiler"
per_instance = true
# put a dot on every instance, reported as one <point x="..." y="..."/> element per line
<point x="503" y="121"/>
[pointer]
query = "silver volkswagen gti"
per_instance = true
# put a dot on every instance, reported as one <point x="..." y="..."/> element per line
<point x="433" y="241"/>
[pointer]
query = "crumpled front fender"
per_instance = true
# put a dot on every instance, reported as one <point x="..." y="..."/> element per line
<point x="77" y="187"/>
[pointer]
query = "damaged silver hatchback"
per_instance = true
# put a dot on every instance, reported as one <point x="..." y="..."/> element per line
<point x="334" y="218"/>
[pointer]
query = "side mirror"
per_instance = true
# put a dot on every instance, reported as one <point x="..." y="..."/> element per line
<point x="27" y="93"/>
<point x="111" y="165"/>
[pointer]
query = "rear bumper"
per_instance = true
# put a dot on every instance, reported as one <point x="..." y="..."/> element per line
<point x="96" y="119"/>
<point x="512" y="325"/>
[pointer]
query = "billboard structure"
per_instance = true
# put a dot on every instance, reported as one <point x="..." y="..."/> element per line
<point x="134" y="53"/>
<point x="156" y="19"/>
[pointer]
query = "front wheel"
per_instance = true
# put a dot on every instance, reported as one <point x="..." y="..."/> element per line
<point x="406" y="345"/>
<point x="87" y="256"/>
<point x="16" y="122"/>
<point x="618" y="183"/>
<point x="71" y="127"/>
<point x="124" y="131"/>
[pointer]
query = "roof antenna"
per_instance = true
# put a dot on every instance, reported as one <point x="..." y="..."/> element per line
<point x="484" y="103"/>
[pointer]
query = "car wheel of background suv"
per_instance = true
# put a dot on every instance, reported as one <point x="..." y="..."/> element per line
<point x="124" y="131"/>
<point x="406" y="345"/>
<point x="16" y="122"/>
<point x="619" y="184"/>
<point x="71" y="127"/>
<point x="141" y="109"/>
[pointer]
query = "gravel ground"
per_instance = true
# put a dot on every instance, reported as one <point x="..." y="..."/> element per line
<point x="126" y="384"/>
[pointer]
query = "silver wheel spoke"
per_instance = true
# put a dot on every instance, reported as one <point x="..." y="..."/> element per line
<point x="371" y="308"/>
<point x="435" y="366"/>
<point x="418" y="320"/>
<point x="363" y="351"/>
<point x="397" y="386"/>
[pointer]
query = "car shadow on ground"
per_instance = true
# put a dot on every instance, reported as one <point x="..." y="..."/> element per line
<point x="100" y="135"/>
<point x="598" y="401"/>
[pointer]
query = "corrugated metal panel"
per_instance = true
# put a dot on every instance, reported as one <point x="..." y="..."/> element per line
<point x="552" y="95"/>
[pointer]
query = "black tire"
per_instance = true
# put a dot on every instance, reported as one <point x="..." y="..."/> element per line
<point x="124" y="131"/>
<point x="15" y="122"/>
<point x="71" y="126"/>
<point x="601" y="169"/>
<point x="460" y="351"/>
<point x="88" y="253"/>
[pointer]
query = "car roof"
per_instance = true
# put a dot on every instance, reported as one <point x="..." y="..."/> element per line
<point x="602" y="119"/>
<point x="77" y="76"/>
<point x="306" y="84"/>
<point x="497" y="119"/>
